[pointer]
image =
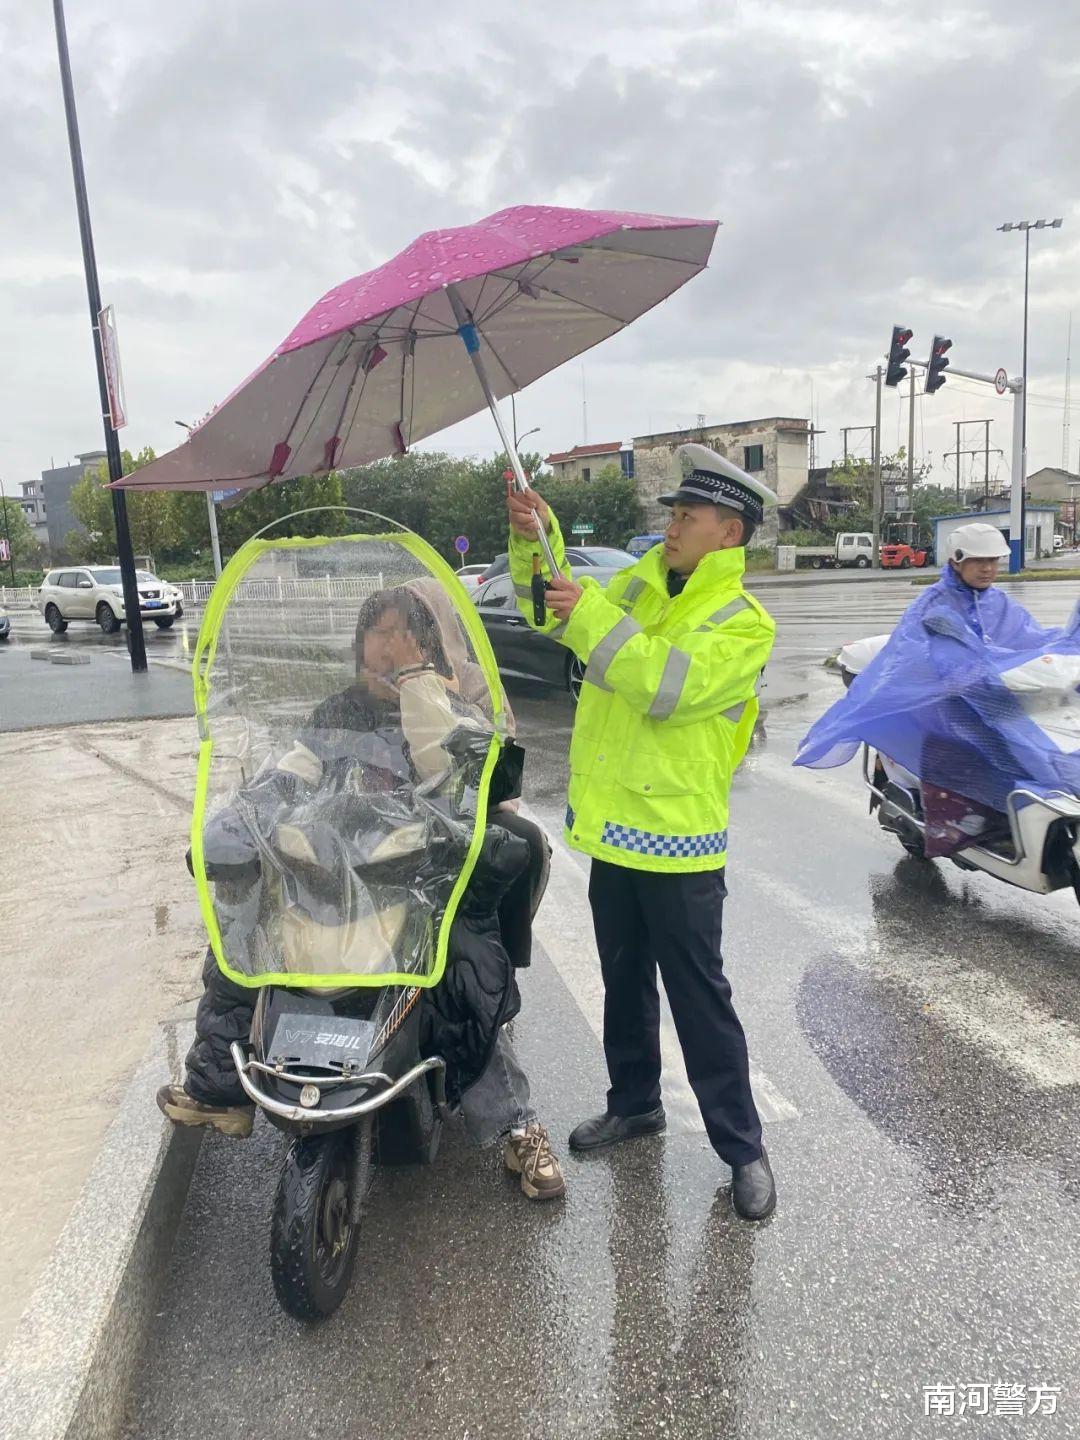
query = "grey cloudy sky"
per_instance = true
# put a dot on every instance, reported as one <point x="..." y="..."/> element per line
<point x="244" y="156"/>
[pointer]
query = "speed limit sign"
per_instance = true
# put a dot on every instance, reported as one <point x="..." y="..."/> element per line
<point x="1001" y="382"/>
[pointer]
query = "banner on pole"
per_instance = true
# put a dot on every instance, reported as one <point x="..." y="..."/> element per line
<point x="5" y="553"/>
<point x="114" y="379"/>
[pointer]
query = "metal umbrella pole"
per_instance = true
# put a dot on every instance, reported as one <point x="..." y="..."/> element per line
<point x="470" y="335"/>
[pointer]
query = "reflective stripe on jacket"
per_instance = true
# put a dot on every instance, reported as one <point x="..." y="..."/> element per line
<point x="667" y="706"/>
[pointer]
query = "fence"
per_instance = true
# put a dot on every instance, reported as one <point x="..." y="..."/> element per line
<point x="273" y="590"/>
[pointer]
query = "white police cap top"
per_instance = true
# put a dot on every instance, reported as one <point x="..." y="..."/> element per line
<point x="706" y="476"/>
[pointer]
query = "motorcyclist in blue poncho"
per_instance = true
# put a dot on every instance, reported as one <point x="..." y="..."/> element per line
<point x="943" y="698"/>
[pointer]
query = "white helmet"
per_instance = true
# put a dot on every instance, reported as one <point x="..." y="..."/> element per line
<point x="978" y="541"/>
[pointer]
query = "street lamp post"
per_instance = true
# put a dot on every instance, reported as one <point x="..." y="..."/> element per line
<point x="1019" y="541"/>
<point x="125" y="554"/>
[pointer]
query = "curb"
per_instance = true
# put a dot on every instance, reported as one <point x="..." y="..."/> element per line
<point x="67" y="1369"/>
<point x="754" y="578"/>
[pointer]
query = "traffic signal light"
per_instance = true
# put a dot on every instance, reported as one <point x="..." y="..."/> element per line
<point x="898" y="353"/>
<point x="935" y="377"/>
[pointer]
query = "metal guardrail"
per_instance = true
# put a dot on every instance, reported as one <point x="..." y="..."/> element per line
<point x="276" y="590"/>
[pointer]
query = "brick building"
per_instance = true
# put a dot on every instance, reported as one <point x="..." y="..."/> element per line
<point x="584" y="462"/>
<point x="776" y="449"/>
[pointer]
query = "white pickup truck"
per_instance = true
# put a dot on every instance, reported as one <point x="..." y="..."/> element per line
<point x="853" y="548"/>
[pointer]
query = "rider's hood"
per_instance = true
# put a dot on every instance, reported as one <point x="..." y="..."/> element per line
<point x="467" y="676"/>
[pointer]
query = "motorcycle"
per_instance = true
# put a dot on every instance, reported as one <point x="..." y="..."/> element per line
<point x="334" y="866"/>
<point x="1034" y="843"/>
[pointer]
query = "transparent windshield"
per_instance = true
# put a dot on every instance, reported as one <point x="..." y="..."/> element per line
<point x="352" y="716"/>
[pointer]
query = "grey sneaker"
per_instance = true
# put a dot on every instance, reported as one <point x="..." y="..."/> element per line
<point x="182" y="1109"/>
<point x="530" y="1156"/>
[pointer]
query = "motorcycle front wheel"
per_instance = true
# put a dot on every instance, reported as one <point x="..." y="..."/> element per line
<point x="314" y="1236"/>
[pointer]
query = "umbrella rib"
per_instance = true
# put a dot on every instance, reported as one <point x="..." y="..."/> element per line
<point x="644" y="255"/>
<point x="513" y="283"/>
<point x="502" y="364"/>
<point x="356" y="407"/>
<point x="348" y="392"/>
<point x="404" y="360"/>
<point x="304" y="399"/>
<point x="322" y="402"/>
<point x="583" y="304"/>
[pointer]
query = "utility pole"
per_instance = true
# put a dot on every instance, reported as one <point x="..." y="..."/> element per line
<point x="136" y="642"/>
<point x="911" y="444"/>
<point x="1018" y="524"/>
<point x="7" y="535"/>
<point x="986" y="452"/>
<point x="1068" y="381"/>
<point x="986" y="473"/>
<point x="813" y="448"/>
<point x="879" y="373"/>
<point x="856" y="430"/>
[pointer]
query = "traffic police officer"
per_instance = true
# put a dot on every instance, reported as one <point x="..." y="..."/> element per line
<point x="672" y="649"/>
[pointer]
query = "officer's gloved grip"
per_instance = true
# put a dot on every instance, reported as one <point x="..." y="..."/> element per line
<point x="539" y="598"/>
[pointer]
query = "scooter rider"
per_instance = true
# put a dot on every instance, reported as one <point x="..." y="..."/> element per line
<point x="414" y="685"/>
<point x="975" y="555"/>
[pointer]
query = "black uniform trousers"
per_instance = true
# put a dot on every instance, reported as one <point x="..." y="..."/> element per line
<point x="644" y="919"/>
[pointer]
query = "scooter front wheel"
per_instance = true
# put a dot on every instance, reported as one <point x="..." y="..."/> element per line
<point x="313" y="1237"/>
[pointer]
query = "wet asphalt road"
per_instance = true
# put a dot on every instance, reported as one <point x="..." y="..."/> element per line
<point x="915" y="1034"/>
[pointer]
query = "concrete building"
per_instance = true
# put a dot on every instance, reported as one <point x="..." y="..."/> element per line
<point x="56" y="487"/>
<point x="584" y="462"/>
<point x="32" y="504"/>
<point x="1053" y="483"/>
<point x="1039" y="526"/>
<point x="776" y="449"/>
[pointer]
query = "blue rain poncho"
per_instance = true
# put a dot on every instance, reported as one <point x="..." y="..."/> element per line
<point x="935" y="701"/>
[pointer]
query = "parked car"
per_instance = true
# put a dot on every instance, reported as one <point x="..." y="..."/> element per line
<point x="607" y="557"/>
<point x="96" y="593"/>
<point x="471" y="575"/>
<point x="520" y="650"/>
<point x="5" y="624"/>
<point x="642" y="544"/>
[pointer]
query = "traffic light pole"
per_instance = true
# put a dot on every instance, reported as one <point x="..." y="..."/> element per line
<point x="1015" y="385"/>
<point x="877" y="473"/>
<point x="125" y="554"/>
<point x="911" y="444"/>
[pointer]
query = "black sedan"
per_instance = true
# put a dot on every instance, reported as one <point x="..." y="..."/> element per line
<point x="521" y="651"/>
<point x="603" y="557"/>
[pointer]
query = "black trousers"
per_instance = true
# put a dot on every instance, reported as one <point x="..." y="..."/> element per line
<point x="644" y="919"/>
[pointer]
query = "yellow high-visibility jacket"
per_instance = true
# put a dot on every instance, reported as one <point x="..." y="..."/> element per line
<point x="667" y="707"/>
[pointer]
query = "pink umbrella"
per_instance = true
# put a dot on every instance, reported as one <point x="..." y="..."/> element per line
<point x="380" y="361"/>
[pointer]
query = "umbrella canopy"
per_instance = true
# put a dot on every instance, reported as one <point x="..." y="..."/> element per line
<point x="379" y="362"/>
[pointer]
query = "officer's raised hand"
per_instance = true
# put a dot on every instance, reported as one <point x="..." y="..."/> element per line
<point x="524" y="508"/>
<point x="562" y="596"/>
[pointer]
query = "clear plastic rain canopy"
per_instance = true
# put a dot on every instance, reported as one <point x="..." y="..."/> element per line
<point x="351" y="718"/>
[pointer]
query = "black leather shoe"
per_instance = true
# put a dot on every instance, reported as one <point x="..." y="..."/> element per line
<point x="753" y="1189"/>
<point x="604" y="1130"/>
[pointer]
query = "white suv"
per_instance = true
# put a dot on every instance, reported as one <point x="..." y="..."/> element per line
<point x="96" y="592"/>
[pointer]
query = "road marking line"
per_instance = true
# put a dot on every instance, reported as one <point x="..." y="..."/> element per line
<point x="978" y="1006"/>
<point x="564" y="927"/>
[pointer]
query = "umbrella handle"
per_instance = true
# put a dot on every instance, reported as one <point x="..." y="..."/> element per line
<point x="470" y="335"/>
